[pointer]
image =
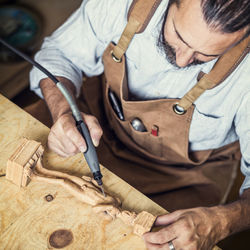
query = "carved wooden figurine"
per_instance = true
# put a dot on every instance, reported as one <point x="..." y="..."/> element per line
<point x="26" y="164"/>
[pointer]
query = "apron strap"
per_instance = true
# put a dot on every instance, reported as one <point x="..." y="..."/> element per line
<point x="225" y="65"/>
<point x="143" y="10"/>
<point x="139" y="15"/>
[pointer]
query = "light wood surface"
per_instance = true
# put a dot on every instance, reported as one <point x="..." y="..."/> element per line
<point x="28" y="220"/>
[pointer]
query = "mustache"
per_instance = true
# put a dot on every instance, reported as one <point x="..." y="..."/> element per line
<point x="170" y="53"/>
<point x="167" y="50"/>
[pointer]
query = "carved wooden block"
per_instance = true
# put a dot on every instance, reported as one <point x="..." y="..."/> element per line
<point x="22" y="160"/>
<point x="143" y="223"/>
<point x="25" y="164"/>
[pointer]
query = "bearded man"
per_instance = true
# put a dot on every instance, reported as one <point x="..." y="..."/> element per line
<point x="179" y="73"/>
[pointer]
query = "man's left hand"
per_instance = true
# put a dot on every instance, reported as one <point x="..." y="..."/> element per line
<point x="196" y="228"/>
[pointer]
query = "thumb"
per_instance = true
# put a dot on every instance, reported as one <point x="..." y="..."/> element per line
<point x="94" y="128"/>
<point x="166" y="219"/>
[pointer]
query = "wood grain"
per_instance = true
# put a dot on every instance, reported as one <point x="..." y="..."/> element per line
<point x="27" y="219"/>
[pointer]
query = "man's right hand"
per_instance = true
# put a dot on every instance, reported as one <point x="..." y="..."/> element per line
<point x="65" y="139"/>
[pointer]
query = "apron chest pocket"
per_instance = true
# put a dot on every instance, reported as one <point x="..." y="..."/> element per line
<point x="152" y="144"/>
<point x="142" y="142"/>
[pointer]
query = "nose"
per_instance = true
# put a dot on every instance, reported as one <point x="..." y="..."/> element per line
<point x="184" y="56"/>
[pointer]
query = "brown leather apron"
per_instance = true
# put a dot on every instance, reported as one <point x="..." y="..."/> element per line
<point x="159" y="166"/>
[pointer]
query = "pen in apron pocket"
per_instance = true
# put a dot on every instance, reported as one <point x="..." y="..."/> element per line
<point x="116" y="105"/>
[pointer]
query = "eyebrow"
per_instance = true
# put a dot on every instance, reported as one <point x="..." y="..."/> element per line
<point x="180" y="37"/>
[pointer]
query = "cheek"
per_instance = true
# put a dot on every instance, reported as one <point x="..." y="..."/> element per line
<point x="169" y="34"/>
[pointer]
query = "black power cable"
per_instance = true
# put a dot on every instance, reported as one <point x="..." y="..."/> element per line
<point x="90" y="154"/>
<point x="30" y="60"/>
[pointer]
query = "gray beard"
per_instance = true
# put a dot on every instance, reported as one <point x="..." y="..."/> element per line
<point x="170" y="53"/>
<point x="167" y="49"/>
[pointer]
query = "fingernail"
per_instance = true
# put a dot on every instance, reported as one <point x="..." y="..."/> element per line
<point x="95" y="142"/>
<point x="82" y="149"/>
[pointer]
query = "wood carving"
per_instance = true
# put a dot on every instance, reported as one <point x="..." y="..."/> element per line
<point x="26" y="164"/>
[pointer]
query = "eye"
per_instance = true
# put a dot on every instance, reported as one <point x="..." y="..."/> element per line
<point x="203" y="58"/>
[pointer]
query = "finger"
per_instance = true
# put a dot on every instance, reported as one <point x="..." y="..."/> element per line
<point x="58" y="151"/>
<point x="72" y="139"/>
<point x="60" y="139"/>
<point x="151" y="246"/>
<point x="65" y="137"/>
<point x="56" y="146"/>
<point x="167" y="218"/>
<point x="61" y="153"/>
<point x="94" y="127"/>
<point x="177" y="244"/>
<point x="162" y="236"/>
<point x="76" y="141"/>
<point x="165" y="246"/>
<point x="180" y="234"/>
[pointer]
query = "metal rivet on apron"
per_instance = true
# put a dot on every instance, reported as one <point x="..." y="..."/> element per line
<point x="178" y="109"/>
<point x="115" y="58"/>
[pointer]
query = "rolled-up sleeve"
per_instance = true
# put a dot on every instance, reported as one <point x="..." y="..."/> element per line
<point x="77" y="46"/>
<point x="242" y="123"/>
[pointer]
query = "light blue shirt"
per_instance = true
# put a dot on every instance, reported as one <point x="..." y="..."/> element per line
<point x="221" y="115"/>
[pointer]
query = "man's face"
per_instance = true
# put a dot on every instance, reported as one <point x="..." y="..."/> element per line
<point x="188" y="40"/>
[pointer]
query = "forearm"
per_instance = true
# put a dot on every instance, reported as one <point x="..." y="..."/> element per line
<point x="233" y="217"/>
<point x="55" y="100"/>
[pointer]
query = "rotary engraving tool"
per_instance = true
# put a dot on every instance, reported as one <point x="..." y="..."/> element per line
<point x="90" y="153"/>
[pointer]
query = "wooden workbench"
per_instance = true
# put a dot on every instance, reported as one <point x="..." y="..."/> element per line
<point x="28" y="220"/>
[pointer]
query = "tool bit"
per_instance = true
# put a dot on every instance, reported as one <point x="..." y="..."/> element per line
<point x="102" y="189"/>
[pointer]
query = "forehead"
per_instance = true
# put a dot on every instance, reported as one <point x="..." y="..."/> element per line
<point x="190" y="24"/>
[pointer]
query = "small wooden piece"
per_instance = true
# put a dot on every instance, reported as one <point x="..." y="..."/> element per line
<point x="22" y="161"/>
<point x="26" y="164"/>
<point x="143" y="223"/>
